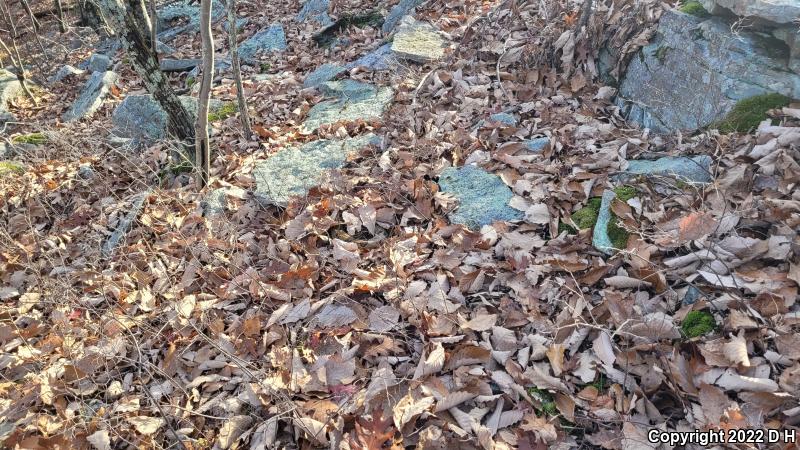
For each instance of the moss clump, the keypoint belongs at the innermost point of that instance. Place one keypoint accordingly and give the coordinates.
(546, 399)
(586, 217)
(32, 138)
(264, 67)
(698, 323)
(617, 234)
(694, 8)
(7, 167)
(223, 112)
(748, 113)
(625, 193)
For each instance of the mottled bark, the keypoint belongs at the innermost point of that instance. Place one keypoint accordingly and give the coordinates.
(202, 144)
(143, 61)
(244, 116)
(154, 28)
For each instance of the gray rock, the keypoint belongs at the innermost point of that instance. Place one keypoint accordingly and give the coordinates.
(215, 201)
(483, 197)
(64, 72)
(600, 238)
(692, 295)
(315, 10)
(85, 172)
(418, 41)
(791, 36)
(179, 65)
(191, 13)
(271, 39)
(98, 63)
(323, 73)
(775, 11)
(397, 12)
(10, 89)
(537, 145)
(293, 171)
(694, 71)
(354, 101)
(504, 118)
(124, 225)
(382, 58)
(141, 118)
(91, 97)
(695, 169)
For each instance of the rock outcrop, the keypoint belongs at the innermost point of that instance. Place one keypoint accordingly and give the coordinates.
(695, 70)
(315, 10)
(482, 196)
(271, 39)
(141, 118)
(400, 10)
(92, 96)
(418, 41)
(352, 101)
(10, 89)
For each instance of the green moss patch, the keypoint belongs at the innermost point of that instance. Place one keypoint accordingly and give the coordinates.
(223, 112)
(695, 9)
(586, 217)
(10, 167)
(546, 399)
(32, 138)
(698, 323)
(748, 113)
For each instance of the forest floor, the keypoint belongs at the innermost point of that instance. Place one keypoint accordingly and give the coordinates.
(359, 316)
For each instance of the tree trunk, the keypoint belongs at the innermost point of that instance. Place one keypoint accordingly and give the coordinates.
(91, 15)
(154, 27)
(202, 144)
(244, 116)
(62, 26)
(123, 20)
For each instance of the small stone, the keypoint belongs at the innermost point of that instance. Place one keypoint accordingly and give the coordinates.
(215, 201)
(91, 97)
(402, 9)
(323, 73)
(537, 145)
(600, 238)
(64, 72)
(355, 101)
(269, 40)
(315, 10)
(382, 58)
(483, 197)
(85, 172)
(692, 295)
(695, 169)
(179, 65)
(293, 171)
(98, 63)
(418, 41)
(504, 118)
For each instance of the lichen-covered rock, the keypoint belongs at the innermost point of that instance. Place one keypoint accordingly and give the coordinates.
(10, 89)
(293, 171)
(354, 101)
(418, 41)
(695, 169)
(98, 62)
(64, 72)
(191, 15)
(141, 118)
(537, 145)
(323, 73)
(271, 39)
(382, 58)
(776, 11)
(400, 10)
(504, 118)
(694, 71)
(600, 237)
(92, 96)
(315, 10)
(483, 197)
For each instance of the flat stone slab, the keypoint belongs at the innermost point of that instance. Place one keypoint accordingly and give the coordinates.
(323, 73)
(178, 65)
(293, 171)
(98, 63)
(695, 169)
(271, 39)
(66, 71)
(694, 71)
(418, 41)
(10, 89)
(184, 11)
(398, 11)
(92, 96)
(315, 10)
(382, 58)
(141, 118)
(353, 101)
(483, 197)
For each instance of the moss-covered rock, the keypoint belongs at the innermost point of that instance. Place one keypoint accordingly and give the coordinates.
(32, 138)
(698, 323)
(10, 167)
(548, 408)
(695, 9)
(586, 217)
(223, 112)
(748, 113)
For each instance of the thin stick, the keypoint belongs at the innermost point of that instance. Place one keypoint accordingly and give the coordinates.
(202, 147)
(244, 116)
